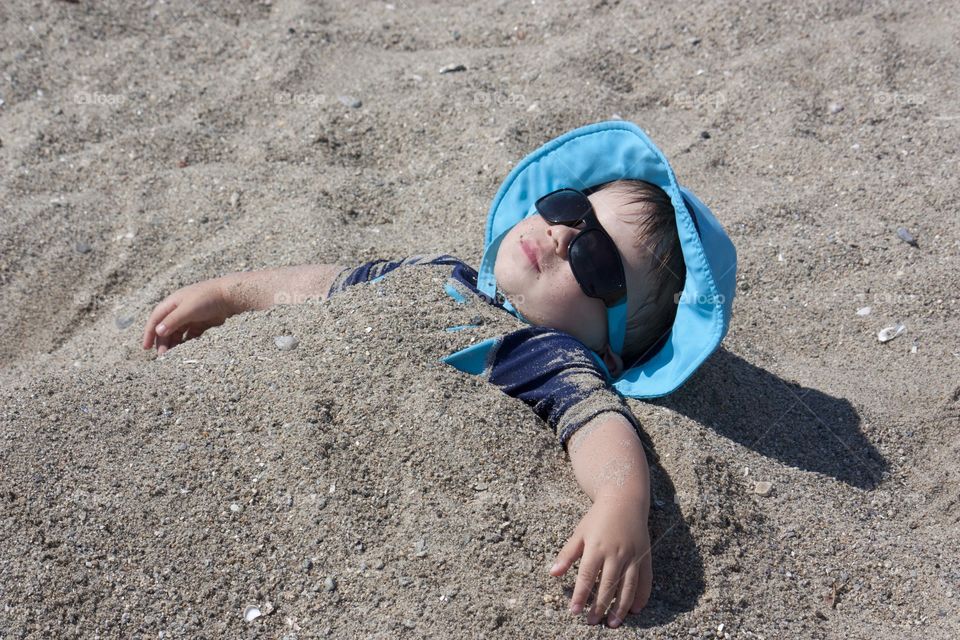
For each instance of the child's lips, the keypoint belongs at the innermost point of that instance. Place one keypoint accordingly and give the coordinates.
(532, 254)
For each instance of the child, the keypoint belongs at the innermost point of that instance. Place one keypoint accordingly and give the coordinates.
(598, 275)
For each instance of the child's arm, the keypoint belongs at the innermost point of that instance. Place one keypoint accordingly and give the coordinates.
(258, 290)
(611, 467)
(188, 312)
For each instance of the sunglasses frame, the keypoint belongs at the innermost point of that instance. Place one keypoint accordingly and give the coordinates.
(616, 301)
(593, 225)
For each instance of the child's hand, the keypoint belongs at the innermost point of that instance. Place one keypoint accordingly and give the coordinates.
(186, 313)
(612, 536)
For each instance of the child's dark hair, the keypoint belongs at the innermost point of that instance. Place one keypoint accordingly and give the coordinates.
(649, 209)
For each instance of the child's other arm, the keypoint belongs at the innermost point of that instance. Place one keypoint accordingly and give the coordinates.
(611, 467)
(258, 290)
(188, 312)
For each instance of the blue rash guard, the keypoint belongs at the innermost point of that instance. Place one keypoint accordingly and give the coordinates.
(553, 372)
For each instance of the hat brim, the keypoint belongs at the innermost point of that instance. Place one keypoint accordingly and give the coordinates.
(614, 150)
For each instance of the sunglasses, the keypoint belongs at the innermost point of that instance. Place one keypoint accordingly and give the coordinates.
(592, 255)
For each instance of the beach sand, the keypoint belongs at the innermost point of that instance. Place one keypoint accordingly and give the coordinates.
(356, 486)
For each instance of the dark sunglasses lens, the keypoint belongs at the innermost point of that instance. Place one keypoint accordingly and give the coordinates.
(564, 206)
(596, 266)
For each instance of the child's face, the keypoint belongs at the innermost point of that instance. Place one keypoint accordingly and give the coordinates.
(533, 272)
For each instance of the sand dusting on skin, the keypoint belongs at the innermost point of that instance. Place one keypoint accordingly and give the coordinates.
(357, 487)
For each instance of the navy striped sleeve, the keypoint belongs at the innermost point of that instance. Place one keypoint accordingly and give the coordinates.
(376, 269)
(558, 376)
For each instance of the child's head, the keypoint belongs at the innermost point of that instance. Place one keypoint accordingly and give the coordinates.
(532, 270)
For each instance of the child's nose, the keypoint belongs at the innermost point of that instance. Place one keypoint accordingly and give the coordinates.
(561, 236)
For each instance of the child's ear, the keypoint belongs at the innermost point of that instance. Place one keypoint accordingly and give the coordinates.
(613, 361)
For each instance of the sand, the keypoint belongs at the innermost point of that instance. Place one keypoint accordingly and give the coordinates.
(356, 486)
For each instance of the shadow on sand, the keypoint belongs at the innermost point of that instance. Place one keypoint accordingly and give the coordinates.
(799, 426)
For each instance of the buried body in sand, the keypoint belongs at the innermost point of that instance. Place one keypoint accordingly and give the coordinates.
(602, 266)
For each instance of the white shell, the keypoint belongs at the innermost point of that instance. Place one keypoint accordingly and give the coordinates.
(763, 488)
(286, 343)
(251, 613)
(863, 311)
(889, 333)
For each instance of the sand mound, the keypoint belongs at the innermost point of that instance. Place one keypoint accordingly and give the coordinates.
(143, 148)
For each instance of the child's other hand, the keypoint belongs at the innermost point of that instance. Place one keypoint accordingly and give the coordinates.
(186, 313)
(611, 537)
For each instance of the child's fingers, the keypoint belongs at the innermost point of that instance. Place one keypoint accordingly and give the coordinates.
(626, 596)
(149, 331)
(644, 583)
(172, 340)
(567, 556)
(609, 581)
(163, 345)
(587, 576)
(175, 321)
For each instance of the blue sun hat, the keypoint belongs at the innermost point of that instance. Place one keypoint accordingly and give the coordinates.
(588, 157)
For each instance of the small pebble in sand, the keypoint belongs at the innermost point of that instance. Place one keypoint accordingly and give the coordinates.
(82, 247)
(350, 101)
(763, 488)
(863, 311)
(421, 547)
(907, 237)
(235, 199)
(835, 107)
(235, 508)
(330, 584)
(889, 333)
(286, 343)
(453, 68)
(122, 322)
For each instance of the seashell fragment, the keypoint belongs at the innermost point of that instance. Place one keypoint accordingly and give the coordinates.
(863, 311)
(286, 343)
(763, 488)
(889, 333)
(907, 237)
(251, 613)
